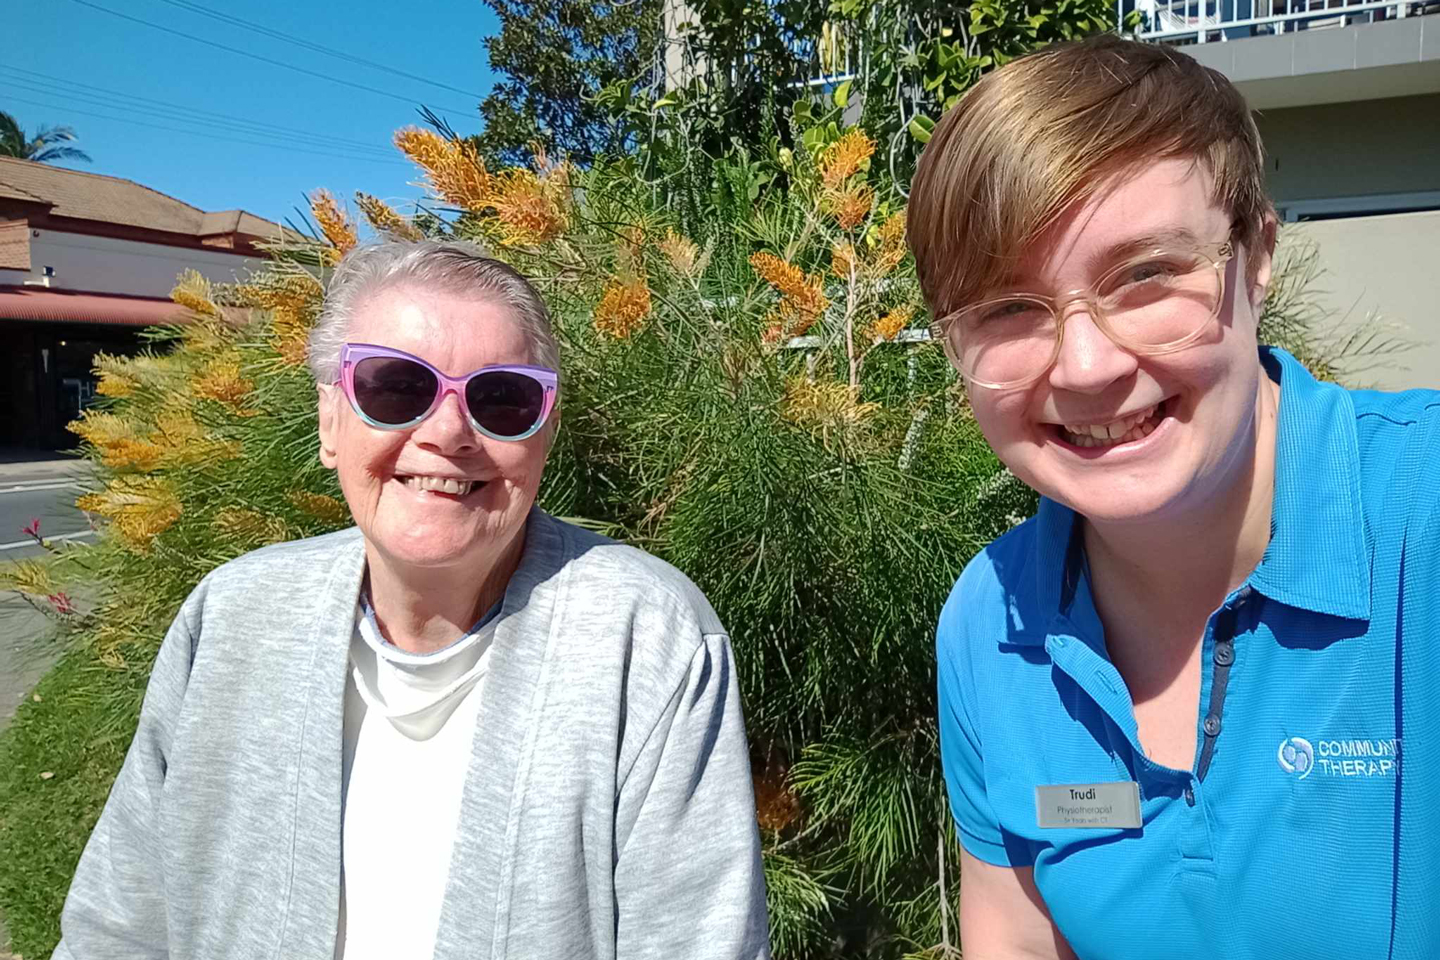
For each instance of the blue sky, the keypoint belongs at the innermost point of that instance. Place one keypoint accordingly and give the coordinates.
(64, 44)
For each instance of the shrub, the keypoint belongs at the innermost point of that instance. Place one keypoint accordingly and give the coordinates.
(752, 402)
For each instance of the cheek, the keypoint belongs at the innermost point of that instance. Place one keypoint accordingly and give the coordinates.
(365, 456)
(521, 463)
(1004, 420)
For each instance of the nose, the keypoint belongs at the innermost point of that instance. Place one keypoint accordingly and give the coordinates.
(448, 429)
(1089, 361)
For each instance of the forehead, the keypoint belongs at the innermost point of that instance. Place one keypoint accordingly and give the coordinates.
(1169, 200)
(457, 333)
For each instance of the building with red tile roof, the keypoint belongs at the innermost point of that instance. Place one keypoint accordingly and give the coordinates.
(86, 262)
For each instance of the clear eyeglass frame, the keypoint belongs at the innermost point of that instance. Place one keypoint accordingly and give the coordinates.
(945, 330)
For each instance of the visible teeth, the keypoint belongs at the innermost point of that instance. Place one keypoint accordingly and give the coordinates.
(1125, 430)
(440, 484)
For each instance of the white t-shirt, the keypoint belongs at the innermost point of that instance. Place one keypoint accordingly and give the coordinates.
(409, 724)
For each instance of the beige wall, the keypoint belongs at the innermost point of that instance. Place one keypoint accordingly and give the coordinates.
(1352, 149)
(109, 265)
(1388, 264)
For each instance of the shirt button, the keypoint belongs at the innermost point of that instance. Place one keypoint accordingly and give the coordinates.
(1190, 796)
(1224, 653)
(1212, 726)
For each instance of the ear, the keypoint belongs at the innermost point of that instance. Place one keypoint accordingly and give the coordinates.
(326, 394)
(1263, 261)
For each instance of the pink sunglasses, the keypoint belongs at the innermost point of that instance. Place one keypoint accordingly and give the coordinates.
(394, 390)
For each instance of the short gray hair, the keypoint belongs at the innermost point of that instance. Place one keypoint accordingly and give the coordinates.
(456, 266)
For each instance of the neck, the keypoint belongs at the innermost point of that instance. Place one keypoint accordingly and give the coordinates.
(421, 610)
(1181, 570)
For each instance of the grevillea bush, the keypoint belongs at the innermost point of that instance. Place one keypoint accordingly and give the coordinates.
(747, 395)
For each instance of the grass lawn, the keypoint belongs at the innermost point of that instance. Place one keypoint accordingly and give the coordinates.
(58, 759)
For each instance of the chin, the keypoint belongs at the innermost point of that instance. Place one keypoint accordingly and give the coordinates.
(426, 544)
(1112, 503)
(428, 554)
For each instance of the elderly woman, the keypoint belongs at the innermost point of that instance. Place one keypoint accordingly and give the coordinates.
(461, 728)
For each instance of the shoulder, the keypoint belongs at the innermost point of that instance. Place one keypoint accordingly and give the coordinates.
(611, 577)
(305, 558)
(1395, 422)
(994, 595)
(1405, 408)
(282, 575)
(630, 627)
(1398, 435)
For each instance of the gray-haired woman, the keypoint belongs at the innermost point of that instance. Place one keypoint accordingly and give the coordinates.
(461, 728)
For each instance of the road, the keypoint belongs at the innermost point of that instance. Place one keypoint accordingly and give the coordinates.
(44, 490)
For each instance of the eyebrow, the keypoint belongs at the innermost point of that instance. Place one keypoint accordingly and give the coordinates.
(1167, 237)
(1011, 282)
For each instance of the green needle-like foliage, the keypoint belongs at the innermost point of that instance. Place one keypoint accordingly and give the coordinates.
(745, 401)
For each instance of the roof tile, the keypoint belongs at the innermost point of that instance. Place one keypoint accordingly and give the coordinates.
(91, 196)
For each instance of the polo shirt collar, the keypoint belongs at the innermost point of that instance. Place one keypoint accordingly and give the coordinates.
(1319, 555)
(1056, 568)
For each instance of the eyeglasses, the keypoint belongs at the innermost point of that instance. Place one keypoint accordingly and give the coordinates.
(1158, 302)
(393, 390)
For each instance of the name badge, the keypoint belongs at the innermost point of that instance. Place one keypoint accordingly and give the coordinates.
(1088, 805)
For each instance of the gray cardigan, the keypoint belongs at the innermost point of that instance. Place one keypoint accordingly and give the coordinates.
(607, 812)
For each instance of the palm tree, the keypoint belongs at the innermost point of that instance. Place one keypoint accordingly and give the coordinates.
(47, 146)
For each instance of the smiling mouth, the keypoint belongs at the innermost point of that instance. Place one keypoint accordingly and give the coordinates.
(445, 485)
(1137, 426)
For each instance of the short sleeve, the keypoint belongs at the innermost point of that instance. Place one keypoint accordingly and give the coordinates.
(960, 747)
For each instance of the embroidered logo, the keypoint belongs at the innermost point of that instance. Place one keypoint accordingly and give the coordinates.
(1296, 756)
(1348, 757)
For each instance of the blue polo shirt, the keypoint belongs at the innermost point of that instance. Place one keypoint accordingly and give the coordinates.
(1310, 823)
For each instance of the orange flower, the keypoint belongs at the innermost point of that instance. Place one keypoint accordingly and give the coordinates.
(531, 210)
(802, 299)
(117, 440)
(623, 308)
(221, 381)
(251, 526)
(114, 384)
(823, 406)
(384, 219)
(683, 254)
(140, 509)
(844, 158)
(143, 455)
(776, 806)
(193, 292)
(293, 300)
(851, 205)
(890, 325)
(890, 244)
(529, 207)
(319, 506)
(334, 224)
(453, 168)
(843, 260)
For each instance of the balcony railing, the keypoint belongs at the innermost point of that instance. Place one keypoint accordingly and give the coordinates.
(1201, 21)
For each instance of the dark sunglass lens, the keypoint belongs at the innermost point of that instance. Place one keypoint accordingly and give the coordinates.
(505, 403)
(393, 390)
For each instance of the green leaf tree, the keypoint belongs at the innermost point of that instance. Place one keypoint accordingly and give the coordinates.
(47, 145)
(746, 84)
(555, 57)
